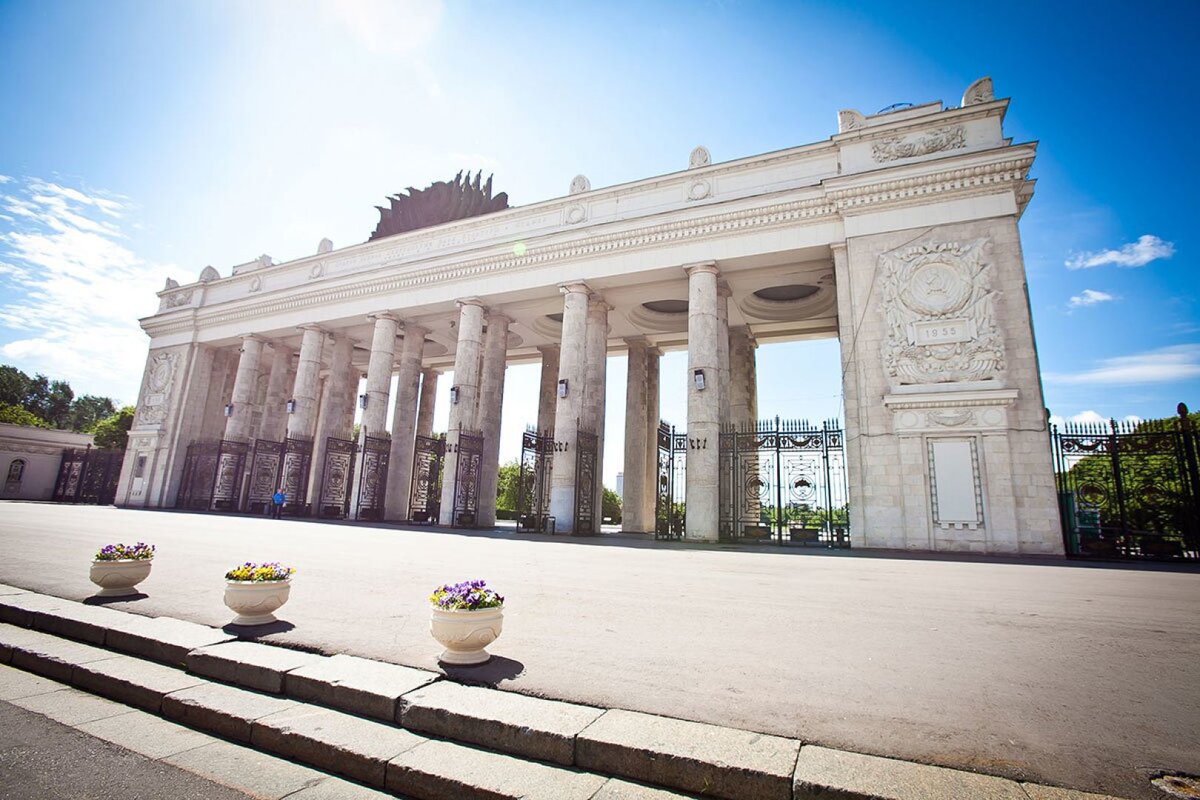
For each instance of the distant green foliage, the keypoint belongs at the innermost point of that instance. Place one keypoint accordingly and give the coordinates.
(611, 506)
(506, 486)
(15, 415)
(51, 402)
(112, 432)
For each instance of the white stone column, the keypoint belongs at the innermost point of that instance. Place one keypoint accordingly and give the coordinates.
(429, 382)
(741, 360)
(379, 374)
(704, 404)
(723, 374)
(487, 415)
(572, 368)
(339, 393)
(301, 421)
(274, 417)
(405, 423)
(596, 389)
(220, 391)
(637, 434)
(237, 424)
(467, 355)
(650, 497)
(547, 397)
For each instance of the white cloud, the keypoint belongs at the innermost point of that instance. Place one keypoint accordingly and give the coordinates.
(1134, 254)
(6, 179)
(1090, 297)
(1164, 365)
(1090, 417)
(72, 289)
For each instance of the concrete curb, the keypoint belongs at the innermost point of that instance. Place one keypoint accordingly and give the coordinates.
(680, 755)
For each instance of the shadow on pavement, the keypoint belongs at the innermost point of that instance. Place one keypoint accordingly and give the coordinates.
(258, 631)
(97, 600)
(490, 673)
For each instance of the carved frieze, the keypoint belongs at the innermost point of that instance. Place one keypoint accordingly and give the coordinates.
(176, 299)
(893, 148)
(940, 314)
(156, 389)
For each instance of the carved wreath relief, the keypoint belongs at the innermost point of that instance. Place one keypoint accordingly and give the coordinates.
(156, 389)
(940, 314)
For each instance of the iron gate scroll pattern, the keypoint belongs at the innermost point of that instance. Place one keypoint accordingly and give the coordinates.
(266, 459)
(336, 478)
(670, 486)
(372, 485)
(199, 476)
(785, 480)
(297, 459)
(227, 483)
(88, 476)
(585, 483)
(533, 482)
(1129, 489)
(425, 495)
(466, 479)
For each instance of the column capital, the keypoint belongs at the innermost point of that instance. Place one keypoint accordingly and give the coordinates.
(375, 316)
(312, 326)
(723, 289)
(597, 303)
(498, 316)
(575, 287)
(413, 329)
(837, 247)
(547, 348)
(470, 301)
(430, 371)
(654, 351)
(709, 267)
(636, 341)
(253, 337)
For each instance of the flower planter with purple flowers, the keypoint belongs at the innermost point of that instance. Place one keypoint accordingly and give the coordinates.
(118, 568)
(466, 618)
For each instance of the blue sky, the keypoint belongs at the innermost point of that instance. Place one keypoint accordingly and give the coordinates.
(140, 140)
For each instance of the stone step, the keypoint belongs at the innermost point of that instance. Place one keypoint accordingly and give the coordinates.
(441, 736)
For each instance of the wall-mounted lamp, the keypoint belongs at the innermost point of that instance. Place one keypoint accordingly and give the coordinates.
(453, 395)
(562, 388)
(698, 377)
(362, 401)
(229, 409)
(291, 406)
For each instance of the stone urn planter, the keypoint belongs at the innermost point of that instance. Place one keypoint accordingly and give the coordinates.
(118, 568)
(465, 619)
(254, 592)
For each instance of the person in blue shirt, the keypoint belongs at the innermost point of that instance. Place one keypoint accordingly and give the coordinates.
(277, 500)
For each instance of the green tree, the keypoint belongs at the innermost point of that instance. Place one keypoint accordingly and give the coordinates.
(112, 433)
(88, 410)
(610, 506)
(14, 386)
(16, 415)
(506, 486)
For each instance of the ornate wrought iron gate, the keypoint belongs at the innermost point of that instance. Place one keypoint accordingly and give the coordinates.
(88, 476)
(585, 483)
(425, 496)
(336, 478)
(785, 481)
(669, 501)
(466, 479)
(231, 468)
(297, 459)
(199, 475)
(533, 482)
(1129, 489)
(266, 460)
(372, 484)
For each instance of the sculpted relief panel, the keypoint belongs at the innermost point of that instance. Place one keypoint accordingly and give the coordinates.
(156, 389)
(893, 148)
(940, 314)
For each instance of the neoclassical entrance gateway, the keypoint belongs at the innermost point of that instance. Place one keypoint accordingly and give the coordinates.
(898, 235)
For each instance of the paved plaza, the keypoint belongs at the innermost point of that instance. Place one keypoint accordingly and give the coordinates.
(1083, 675)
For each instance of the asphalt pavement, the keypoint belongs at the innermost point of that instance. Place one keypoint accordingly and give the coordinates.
(1036, 669)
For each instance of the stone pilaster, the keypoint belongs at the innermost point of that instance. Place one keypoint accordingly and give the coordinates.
(379, 374)
(572, 368)
(429, 382)
(633, 500)
(596, 388)
(219, 392)
(723, 373)
(650, 493)
(547, 399)
(339, 394)
(741, 360)
(405, 423)
(467, 357)
(704, 404)
(487, 415)
(237, 424)
(273, 425)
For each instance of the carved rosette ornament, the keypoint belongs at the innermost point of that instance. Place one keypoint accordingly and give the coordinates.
(940, 314)
(156, 389)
